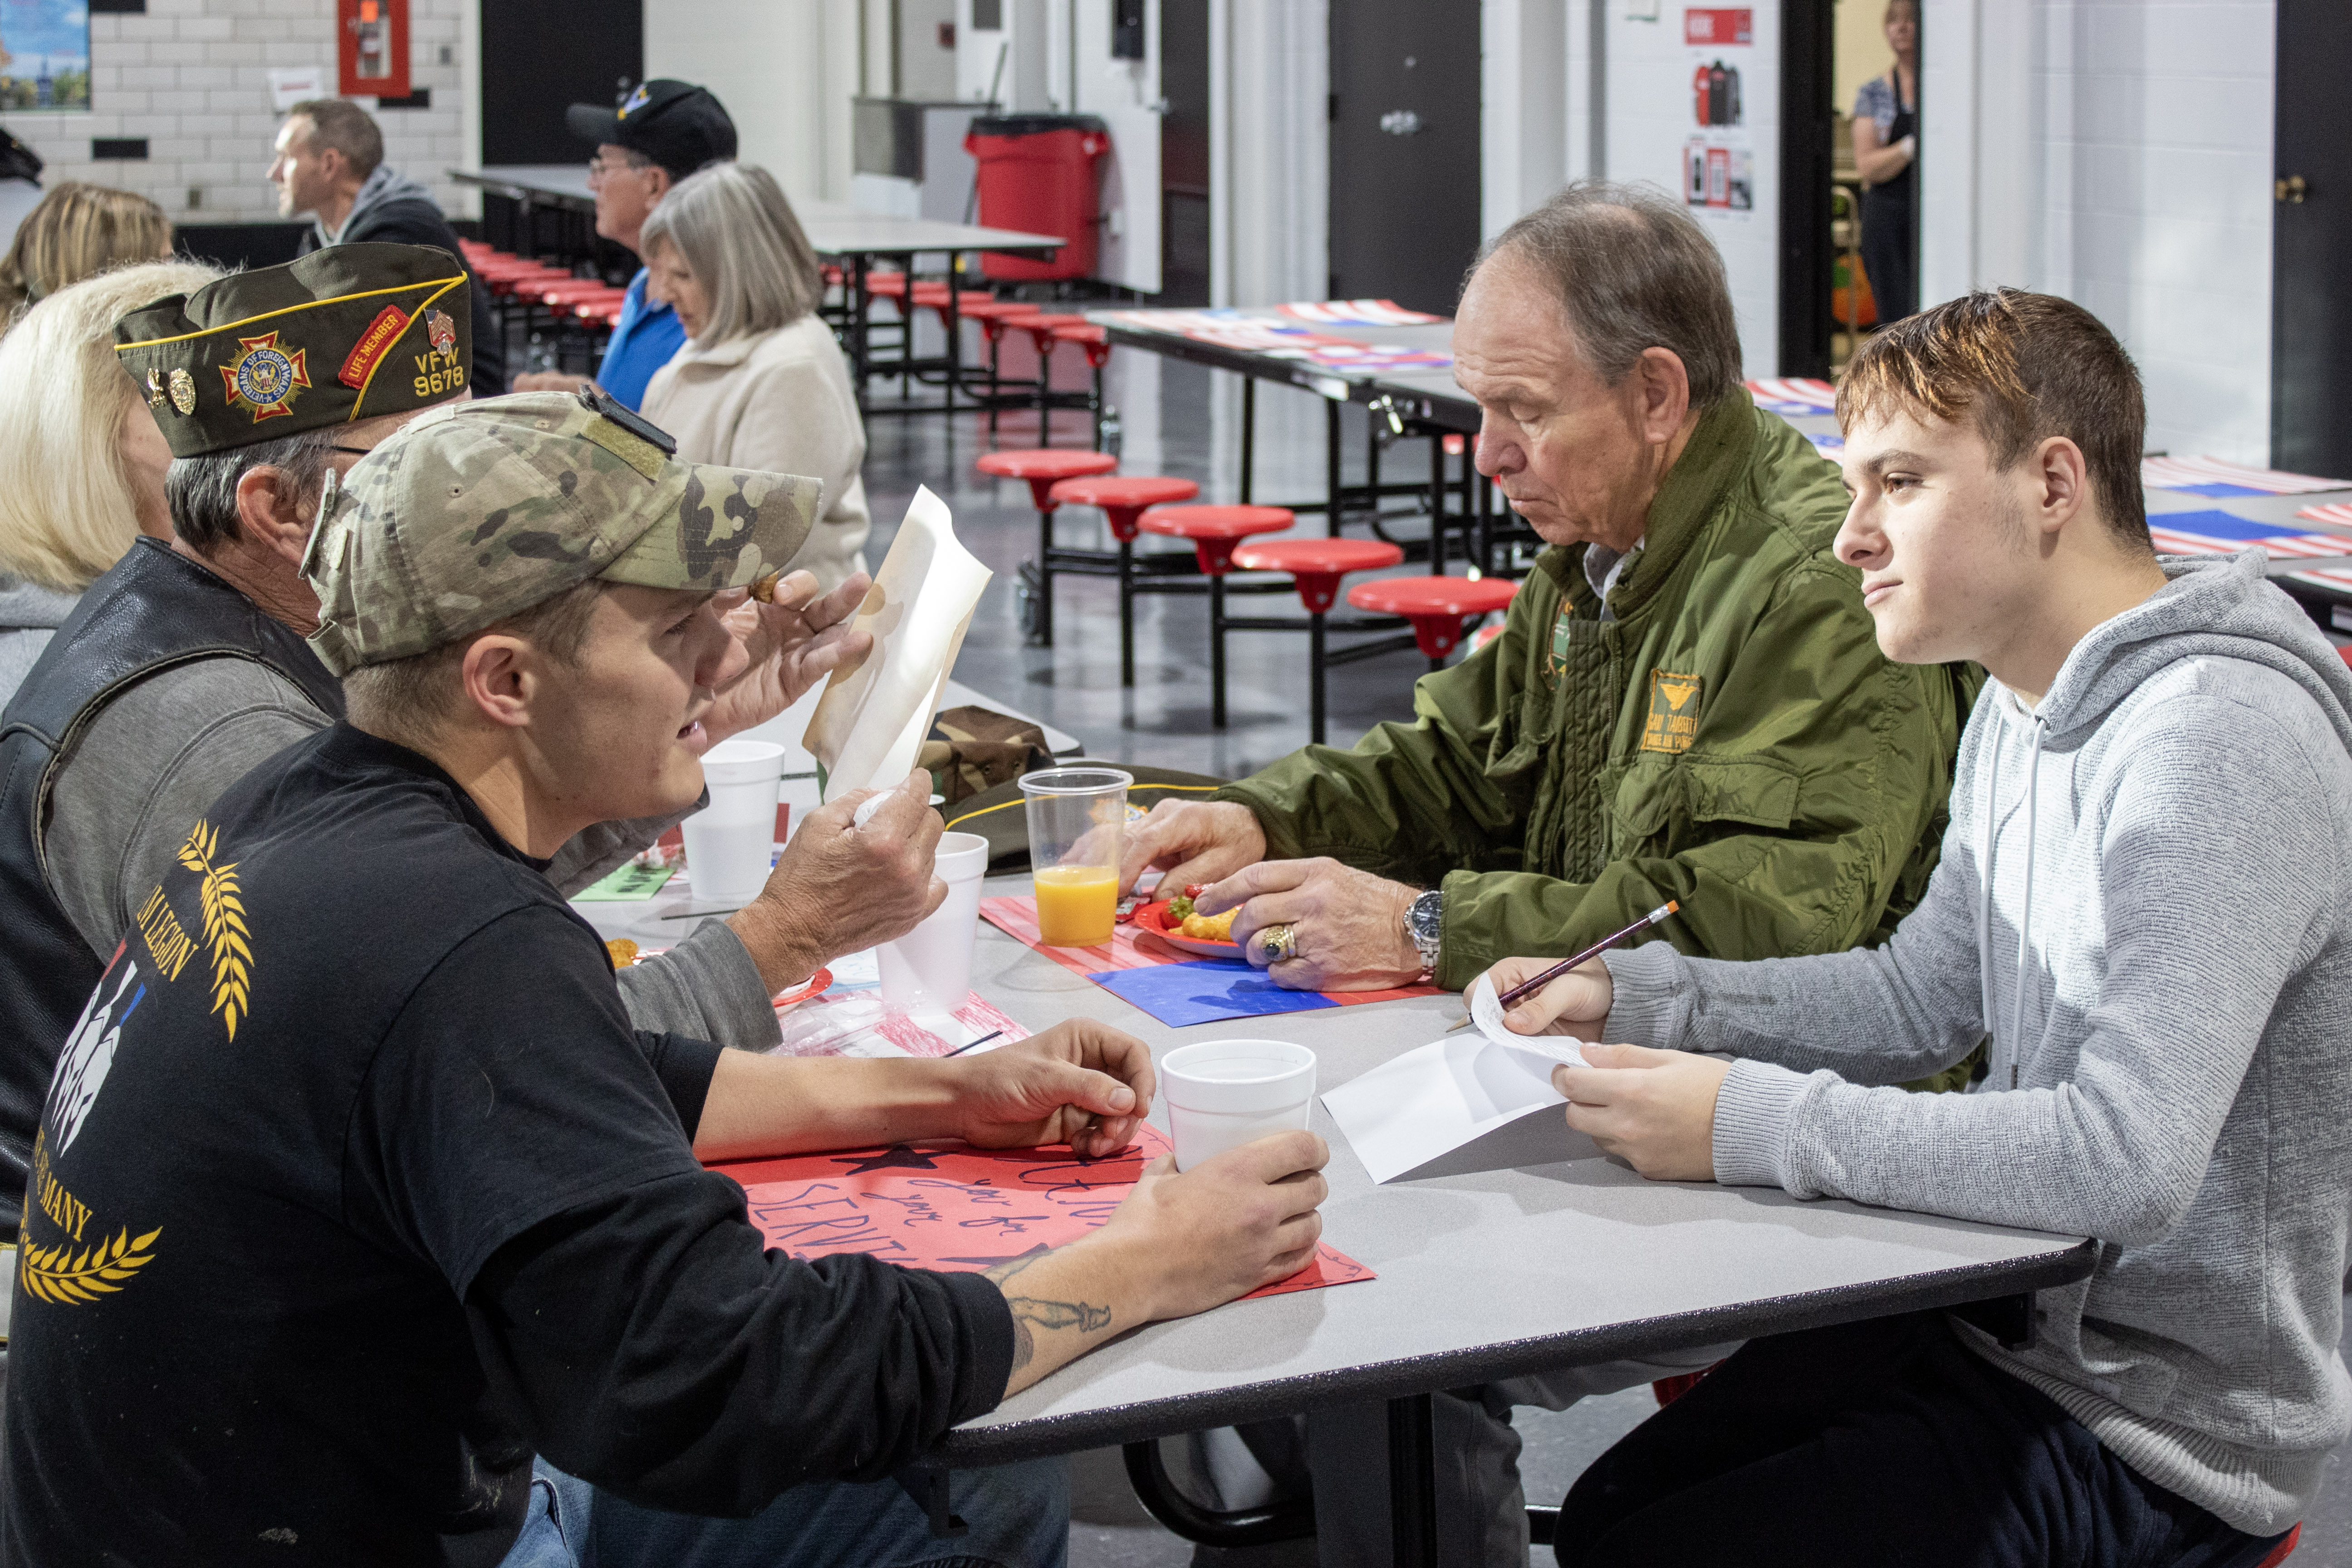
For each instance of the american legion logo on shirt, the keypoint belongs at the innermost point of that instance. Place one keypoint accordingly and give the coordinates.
(69, 1253)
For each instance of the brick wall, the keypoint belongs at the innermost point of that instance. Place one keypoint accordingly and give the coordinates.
(192, 77)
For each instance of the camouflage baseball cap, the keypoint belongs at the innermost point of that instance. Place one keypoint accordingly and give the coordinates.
(477, 511)
(344, 334)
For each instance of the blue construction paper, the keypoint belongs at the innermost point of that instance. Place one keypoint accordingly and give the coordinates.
(2217, 525)
(2216, 489)
(1205, 991)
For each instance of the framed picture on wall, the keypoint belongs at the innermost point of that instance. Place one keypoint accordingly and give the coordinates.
(44, 55)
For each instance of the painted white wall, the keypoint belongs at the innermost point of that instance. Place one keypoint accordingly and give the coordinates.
(786, 70)
(1650, 124)
(1524, 102)
(1124, 94)
(2119, 155)
(192, 77)
(1269, 150)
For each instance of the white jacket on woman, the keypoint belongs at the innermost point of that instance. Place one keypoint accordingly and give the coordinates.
(780, 401)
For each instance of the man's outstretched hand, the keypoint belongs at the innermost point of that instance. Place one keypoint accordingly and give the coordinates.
(1192, 841)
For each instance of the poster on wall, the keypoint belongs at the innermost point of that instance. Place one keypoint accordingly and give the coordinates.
(1719, 158)
(44, 55)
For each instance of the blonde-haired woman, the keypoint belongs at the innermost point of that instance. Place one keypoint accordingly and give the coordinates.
(76, 232)
(760, 382)
(81, 469)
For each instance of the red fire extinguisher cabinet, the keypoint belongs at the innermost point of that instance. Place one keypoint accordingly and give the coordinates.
(1041, 174)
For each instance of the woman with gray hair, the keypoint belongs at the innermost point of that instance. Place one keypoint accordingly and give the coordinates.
(760, 382)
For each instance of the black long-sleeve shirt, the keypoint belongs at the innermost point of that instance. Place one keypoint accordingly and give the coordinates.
(357, 1186)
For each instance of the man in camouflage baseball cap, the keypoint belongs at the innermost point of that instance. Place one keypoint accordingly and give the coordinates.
(476, 513)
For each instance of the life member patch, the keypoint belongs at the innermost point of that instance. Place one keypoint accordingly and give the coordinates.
(1672, 721)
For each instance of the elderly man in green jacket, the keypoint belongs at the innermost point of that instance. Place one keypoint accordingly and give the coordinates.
(1686, 702)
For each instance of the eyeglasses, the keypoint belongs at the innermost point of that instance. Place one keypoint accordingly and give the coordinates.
(355, 451)
(601, 167)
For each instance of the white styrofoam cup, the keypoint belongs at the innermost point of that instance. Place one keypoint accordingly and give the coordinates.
(1223, 1094)
(729, 841)
(929, 970)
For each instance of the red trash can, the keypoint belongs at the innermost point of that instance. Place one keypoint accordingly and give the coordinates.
(1040, 173)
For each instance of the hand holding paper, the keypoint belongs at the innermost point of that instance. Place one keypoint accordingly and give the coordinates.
(871, 720)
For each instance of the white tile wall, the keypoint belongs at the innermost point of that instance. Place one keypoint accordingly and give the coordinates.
(192, 77)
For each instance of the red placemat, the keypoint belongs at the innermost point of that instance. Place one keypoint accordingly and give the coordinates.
(1017, 917)
(960, 1210)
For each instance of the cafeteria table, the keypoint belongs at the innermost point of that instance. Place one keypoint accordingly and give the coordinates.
(1409, 401)
(1526, 1251)
(857, 238)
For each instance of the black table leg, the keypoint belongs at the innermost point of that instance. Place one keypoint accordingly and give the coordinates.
(1045, 578)
(1331, 469)
(1437, 506)
(1413, 1484)
(1372, 467)
(1249, 433)
(860, 350)
(955, 327)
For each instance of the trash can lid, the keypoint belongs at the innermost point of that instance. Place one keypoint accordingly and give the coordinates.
(1034, 124)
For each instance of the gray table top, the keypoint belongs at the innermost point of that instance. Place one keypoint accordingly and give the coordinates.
(1534, 1253)
(833, 229)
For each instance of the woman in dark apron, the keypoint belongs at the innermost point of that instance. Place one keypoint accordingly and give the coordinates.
(1887, 153)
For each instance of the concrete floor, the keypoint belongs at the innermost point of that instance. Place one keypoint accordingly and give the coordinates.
(1184, 421)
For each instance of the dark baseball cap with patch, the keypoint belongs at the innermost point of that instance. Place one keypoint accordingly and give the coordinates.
(677, 124)
(343, 334)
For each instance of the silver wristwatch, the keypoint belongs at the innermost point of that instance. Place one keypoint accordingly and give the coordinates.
(1423, 919)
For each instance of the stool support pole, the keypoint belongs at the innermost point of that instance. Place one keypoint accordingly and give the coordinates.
(1046, 394)
(1331, 467)
(1315, 677)
(1249, 434)
(1217, 650)
(1127, 612)
(1044, 577)
(1437, 519)
(1099, 407)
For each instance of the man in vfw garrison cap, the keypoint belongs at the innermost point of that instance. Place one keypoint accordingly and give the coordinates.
(186, 665)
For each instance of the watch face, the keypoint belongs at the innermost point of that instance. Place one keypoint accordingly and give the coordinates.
(1426, 915)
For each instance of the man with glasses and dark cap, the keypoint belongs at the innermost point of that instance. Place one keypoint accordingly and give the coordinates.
(663, 131)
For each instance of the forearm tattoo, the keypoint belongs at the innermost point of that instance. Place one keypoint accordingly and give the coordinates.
(1044, 1314)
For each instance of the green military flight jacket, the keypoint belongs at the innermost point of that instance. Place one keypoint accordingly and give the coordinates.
(1732, 739)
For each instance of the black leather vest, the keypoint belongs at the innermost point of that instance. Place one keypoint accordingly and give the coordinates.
(154, 610)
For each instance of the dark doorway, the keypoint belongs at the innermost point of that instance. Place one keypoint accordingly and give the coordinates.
(538, 58)
(1184, 152)
(1404, 150)
(1807, 131)
(2311, 244)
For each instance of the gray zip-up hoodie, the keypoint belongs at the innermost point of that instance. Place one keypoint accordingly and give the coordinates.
(2146, 900)
(383, 187)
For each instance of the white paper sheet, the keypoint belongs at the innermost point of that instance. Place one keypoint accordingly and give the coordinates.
(1406, 1113)
(872, 719)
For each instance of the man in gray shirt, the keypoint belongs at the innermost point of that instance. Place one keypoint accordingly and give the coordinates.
(2144, 908)
(184, 666)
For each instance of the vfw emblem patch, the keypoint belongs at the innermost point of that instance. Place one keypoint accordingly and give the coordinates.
(265, 377)
(1672, 721)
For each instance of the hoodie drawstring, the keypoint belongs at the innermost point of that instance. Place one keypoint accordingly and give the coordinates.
(1984, 901)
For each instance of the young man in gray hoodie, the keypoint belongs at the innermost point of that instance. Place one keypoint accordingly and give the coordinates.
(2144, 908)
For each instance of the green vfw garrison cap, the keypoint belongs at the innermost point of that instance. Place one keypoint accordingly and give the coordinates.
(477, 511)
(344, 334)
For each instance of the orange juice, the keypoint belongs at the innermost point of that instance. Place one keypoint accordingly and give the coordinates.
(1077, 904)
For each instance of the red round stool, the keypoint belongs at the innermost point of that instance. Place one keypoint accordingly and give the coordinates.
(1436, 605)
(1316, 566)
(891, 285)
(1214, 531)
(1043, 470)
(1123, 498)
(1096, 341)
(1045, 329)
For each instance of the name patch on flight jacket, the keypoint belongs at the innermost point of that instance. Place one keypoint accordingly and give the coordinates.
(1672, 721)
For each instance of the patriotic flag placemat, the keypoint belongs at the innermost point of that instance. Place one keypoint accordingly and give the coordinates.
(2214, 476)
(1794, 394)
(2223, 533)
(1017, 918)
(2336, 512)
(1358, 313)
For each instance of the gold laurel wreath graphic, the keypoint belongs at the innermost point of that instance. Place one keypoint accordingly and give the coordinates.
(225, 930)
(51, 1274)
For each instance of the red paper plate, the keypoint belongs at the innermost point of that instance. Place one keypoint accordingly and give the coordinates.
(1151, 920)
(816, 985)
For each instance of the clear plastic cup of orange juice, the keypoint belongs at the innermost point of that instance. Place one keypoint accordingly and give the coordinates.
(1078, 825)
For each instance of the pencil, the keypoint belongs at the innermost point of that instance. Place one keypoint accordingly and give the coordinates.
(1528, 987)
